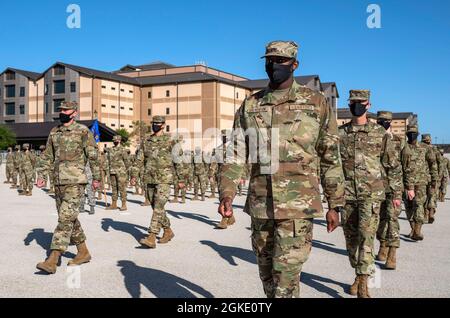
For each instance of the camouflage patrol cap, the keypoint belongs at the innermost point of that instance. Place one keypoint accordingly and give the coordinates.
(426, 137)
(26, 146)
(159, 120)
(441, 150)
(117, 138)
(288, 49)
(10, 149)
(359, 94)
(68, 106)
(412, 128)
(42, 147)
(382, 114)
(17, 147)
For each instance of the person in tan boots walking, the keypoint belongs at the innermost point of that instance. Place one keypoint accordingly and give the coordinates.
(69, 147)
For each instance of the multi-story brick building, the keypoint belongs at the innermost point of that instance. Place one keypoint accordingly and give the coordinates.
(195, 98)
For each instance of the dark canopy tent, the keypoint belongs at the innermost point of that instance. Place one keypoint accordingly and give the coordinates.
(36, 134)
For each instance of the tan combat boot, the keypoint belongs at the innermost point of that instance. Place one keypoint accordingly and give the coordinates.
(417, 235)
(82, 257)
(183, 199)
(223, 224)
(29, 194)
(50, 265)
(391, 262)
(167, 237)
(231, 220)
(412, 224)
(354, 287)
(149, 241)
(431, 216)
(124, 206)
(382, 253)
(175, 198)
(203, 197)
(195, 198)
(213, 195)
(363, 289)
(22, 192)
(113, 206)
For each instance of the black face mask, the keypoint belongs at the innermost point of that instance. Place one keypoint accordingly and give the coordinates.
(357, 109)
(116, 144)
(385, 123)
(156, 128)
(412, 137)
(278, 73)
(64, 118)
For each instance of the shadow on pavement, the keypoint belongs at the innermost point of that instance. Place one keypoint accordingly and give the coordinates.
(316, 282)
(329, 247)
(44, 240)
(320, 222)
(136, 231)
(159, 283)
(193, 216)
(229, 253)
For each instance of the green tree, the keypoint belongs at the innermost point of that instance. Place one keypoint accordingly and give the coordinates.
(125, 136)
(7, 137)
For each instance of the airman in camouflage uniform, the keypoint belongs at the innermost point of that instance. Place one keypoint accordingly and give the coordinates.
(181, 175)
(213, 174)
(70, 146)
(241, 184)
(389, 228)
(370, 164)
(15, 167)
(9, 166)
(155, 156)
(432, 188)
(118, 163)
(27, 165)
(421, 170)
(445, 176)
(284, 195)
(200, 174)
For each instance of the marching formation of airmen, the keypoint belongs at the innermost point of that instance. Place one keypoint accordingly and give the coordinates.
(365, 171)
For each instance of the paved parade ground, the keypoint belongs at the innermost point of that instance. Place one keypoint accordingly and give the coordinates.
(201, 261)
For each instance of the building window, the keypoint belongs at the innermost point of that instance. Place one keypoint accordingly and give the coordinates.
(167, 111)
(122, 90)
(122, 126)
(73, 87)
(149, 95)
(113, 88)
(10, 76)
(237, 95)
(10, 91)
(59, 87)
(22, 109)
(168, 128)
(167, 93)
(56, 104)
(130, 109)
(103, 86)
(10, 109)
(11, 121)
(46, 89)
(46, 108)
(59, 70)
(131, 92)
(113, 125)
(131, 126)
(149, 112)
(112, 106)
(22, 91)
(122, 108)
(103, 105)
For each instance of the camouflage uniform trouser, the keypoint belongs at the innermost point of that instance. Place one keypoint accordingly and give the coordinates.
(90, 196)
(158, 195)
(15, 175)
(69, 229)
(443, 187)
(360, 221)
(281, 248)
(9, 172)
(415, 209)
(200, 181)
(214, 183)
(389, 228)
(119, 185)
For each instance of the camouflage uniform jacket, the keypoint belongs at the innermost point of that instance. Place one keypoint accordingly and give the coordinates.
(200, 168)
(420, 165)
(27, 161)
(446, 167)
(213, 168)
(308, 139)
(155, 156)
(118, 160)
(10, 160)
(370, 163)
(67, 153)
(16, 160)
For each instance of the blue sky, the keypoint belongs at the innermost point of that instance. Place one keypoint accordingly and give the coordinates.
(406, 63)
